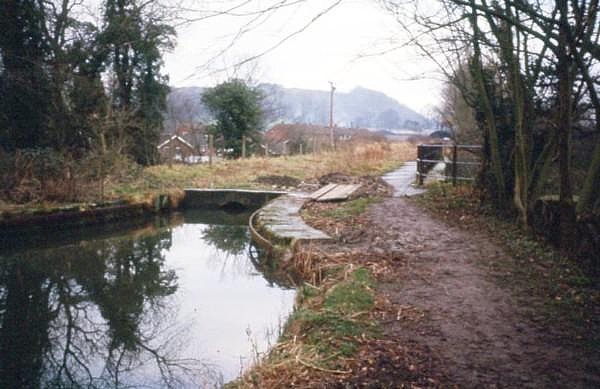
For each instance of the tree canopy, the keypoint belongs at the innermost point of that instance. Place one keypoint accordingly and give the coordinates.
(529, 72)
(236, 107)
(77, 85)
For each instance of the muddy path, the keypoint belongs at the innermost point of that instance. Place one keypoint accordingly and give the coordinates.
(450, 321)
(449, 303)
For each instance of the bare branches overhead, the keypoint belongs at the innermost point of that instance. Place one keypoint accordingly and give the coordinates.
(246, 17)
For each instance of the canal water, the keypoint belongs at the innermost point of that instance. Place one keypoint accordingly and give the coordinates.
(183, 302)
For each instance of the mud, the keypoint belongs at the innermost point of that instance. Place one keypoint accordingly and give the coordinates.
(449, 322)
(475, 329)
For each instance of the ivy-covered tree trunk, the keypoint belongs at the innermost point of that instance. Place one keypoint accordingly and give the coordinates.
(135, 42)
(488, 111)
(567, 209)
(24, 96)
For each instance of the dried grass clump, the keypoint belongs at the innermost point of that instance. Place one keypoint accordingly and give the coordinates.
(176, 197)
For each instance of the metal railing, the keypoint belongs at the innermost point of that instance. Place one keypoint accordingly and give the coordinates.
(459, 162)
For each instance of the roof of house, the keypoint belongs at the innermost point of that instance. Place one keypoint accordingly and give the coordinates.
(282, 132)
(172, 138)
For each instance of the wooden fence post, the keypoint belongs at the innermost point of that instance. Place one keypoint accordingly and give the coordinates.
(244, 146)
(419, 165)
(454, 166)
(211, 141)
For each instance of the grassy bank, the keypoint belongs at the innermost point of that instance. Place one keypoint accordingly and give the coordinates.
(333, 318)
(136, 185)
(336, 318)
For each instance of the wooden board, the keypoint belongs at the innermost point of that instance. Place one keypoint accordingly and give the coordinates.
(320, 192)
(340, 192)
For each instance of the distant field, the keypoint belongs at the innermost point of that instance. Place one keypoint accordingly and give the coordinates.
(361, 159)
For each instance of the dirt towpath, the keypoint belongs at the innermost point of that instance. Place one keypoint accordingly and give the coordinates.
(474, 331)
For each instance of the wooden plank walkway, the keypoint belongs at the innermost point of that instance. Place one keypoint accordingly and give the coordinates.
(334, 192)
(340, 192)
(324, 190)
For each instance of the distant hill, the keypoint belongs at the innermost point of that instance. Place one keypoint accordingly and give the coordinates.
(184, 105)
(360, 107)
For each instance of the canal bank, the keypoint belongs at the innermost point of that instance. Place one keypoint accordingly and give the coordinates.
(85, 215)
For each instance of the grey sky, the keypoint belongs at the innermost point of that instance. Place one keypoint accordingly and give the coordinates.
(329, 50)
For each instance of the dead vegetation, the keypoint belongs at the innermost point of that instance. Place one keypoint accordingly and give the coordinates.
(283, 182)
(47, 176)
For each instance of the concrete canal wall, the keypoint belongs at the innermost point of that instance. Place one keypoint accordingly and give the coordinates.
(275, 225)
(224, 198)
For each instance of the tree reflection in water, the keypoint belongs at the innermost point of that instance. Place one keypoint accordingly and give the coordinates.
(232, 240)
(93, 314)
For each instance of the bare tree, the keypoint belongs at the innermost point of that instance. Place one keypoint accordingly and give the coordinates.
(530, 65)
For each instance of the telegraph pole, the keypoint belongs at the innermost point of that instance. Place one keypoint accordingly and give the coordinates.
(331, 138)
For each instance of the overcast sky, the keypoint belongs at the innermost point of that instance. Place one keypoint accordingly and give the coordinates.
(330, 49)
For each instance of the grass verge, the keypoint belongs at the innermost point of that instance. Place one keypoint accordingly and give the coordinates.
(324, 333)
(349, 209)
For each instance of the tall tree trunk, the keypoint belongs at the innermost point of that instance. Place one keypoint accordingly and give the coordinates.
(492, 133)
(590, 193)
(591, 187)
(522, 136)
(567, 209)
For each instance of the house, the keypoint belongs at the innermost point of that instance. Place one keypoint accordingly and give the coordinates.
(195, 134)
(188, 145)
(177, 149)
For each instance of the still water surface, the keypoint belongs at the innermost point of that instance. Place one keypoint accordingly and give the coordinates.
(178, 303)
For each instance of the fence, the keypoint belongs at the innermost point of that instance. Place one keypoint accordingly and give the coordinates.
(448, 162)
